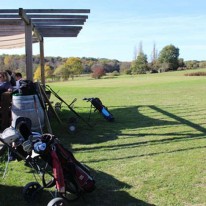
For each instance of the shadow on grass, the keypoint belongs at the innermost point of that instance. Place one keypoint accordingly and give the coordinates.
(180, 120)
(12, 195)
(137, 120)
(109, 191)
(132, 118)
(145, 155)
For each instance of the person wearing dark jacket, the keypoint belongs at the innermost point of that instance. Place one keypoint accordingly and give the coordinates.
(5, 100)
(5, 85)
(11, 77)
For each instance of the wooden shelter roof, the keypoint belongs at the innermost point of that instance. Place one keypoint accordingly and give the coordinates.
(23, 27)
(44, 23)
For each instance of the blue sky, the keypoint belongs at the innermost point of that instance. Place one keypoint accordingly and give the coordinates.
(116, 27)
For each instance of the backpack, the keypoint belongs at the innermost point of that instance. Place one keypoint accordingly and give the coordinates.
(27, 87)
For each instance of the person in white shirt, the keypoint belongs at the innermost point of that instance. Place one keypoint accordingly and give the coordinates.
(18, 77)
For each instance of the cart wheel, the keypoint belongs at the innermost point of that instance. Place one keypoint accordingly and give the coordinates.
(31, 190)
(58, 201)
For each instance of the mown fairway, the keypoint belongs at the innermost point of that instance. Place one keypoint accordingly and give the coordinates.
(153, 154)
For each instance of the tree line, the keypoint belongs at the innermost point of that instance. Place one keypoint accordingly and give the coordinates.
(57, 68)
(166, 60)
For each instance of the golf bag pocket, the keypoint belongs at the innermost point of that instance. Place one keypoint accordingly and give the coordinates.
(85, 181)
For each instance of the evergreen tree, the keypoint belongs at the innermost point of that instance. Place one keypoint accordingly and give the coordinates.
(139, 66)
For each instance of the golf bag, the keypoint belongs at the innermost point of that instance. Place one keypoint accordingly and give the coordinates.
(67, 174)
(97, 104)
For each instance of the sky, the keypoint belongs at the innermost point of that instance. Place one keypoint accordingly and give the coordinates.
(115, 28)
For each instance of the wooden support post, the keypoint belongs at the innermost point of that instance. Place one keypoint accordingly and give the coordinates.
(28, 48)
(42, 62)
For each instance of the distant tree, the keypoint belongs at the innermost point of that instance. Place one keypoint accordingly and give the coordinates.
(7, 60)
(139, 66)
(125, 67)
(74, 66)
(192, 64)
(154, 65)
(164, 67)
(37, 73)
(202, 64)
(181, 62)
(87, 64)
(98, 71)
(1, 62)
(154, 55)
(10, 62)
(47, 72)
(169, 57)
(111, 66)
(21, 65)
(62, 72)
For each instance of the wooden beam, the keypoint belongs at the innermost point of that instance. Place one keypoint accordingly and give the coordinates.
(11, 22)
(7, 11)
(57, 11)
(9, 16)
(59, 35)
(60, 27)
(40, 22)
(14, 11)
(39, 16)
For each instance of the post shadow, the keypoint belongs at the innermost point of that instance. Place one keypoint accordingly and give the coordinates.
(132, 118)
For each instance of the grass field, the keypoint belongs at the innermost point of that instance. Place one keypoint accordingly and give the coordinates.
(153, 154)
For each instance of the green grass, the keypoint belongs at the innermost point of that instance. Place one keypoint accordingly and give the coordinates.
(153, 154)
